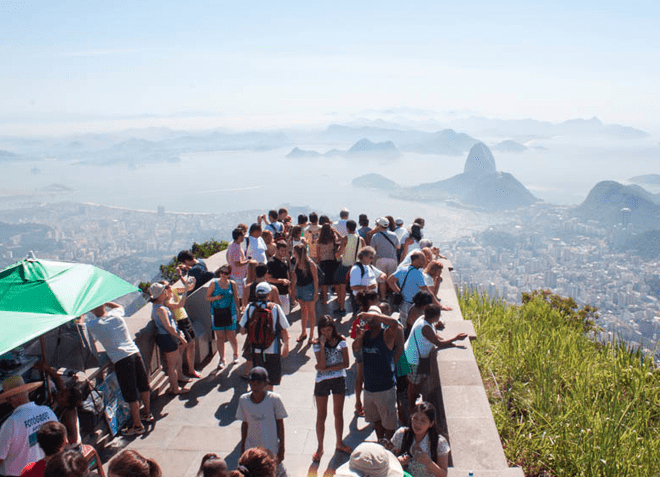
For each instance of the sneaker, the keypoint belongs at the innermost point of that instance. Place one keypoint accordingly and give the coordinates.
(133, 431)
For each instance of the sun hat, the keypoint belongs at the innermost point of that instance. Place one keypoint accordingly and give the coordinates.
(15, 385)
(371, 460)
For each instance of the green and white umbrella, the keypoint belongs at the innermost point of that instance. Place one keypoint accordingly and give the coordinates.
(37, 296)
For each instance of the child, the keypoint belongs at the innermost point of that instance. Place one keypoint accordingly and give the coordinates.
(332, 360)
(420, 446)
(262, 413)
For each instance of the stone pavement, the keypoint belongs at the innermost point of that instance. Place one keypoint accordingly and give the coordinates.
(190, 426)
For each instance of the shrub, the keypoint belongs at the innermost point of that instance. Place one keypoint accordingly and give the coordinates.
(564, 403)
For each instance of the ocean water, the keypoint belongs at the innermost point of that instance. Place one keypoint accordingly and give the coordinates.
(215, 182)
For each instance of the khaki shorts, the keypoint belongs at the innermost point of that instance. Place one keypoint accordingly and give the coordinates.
(381, 406)
(386, 265)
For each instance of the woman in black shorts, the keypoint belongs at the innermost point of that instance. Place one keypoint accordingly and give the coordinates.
(332, 360)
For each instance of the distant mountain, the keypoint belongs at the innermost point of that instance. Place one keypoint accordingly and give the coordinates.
(646, 244)
(509, 146)
(605, 201)
(10, 156)
(364, 147)
(446, 142)
(647, 179)
(480, 161)
(480, 184)
(374, 181)
(521, 129)
(296, 152)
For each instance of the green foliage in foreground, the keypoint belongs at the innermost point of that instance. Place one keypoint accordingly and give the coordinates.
(565, 404)
(199, 250)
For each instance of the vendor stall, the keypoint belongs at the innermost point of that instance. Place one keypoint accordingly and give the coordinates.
(39, 301)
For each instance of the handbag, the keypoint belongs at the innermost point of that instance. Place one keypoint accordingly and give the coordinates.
(423, 364)
(397, 297)
(222, 317)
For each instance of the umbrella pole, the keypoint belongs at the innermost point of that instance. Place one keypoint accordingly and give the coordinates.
(42, 340)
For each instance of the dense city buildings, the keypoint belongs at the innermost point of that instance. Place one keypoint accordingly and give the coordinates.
(546, 248)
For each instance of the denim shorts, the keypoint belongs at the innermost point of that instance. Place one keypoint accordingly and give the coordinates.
(305, 293)
(166, 343)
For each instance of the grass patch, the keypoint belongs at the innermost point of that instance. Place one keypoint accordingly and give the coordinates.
(564, 404)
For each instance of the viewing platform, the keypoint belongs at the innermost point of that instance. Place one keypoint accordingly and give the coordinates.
(203, 421)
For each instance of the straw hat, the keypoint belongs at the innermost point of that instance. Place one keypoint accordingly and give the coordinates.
(15, 385)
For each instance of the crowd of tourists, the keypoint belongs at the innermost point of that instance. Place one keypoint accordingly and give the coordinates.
(273, 266)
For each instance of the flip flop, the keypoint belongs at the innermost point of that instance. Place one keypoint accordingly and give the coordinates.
(317, 456)
(359, 411)
(301, 338)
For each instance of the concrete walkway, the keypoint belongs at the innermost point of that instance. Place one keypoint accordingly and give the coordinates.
(203, 421)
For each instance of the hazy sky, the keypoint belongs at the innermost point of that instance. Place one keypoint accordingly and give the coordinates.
(284, 61)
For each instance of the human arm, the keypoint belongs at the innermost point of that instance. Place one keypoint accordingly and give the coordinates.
(244, 434)
(209, 292)
(177, 335)
(285, 343)
(342, 247)
(399, 342)
(429, 333)
(384, 319)
(438, 468)
(234, 290)
(393, 283)
(280, 438)
(359, 338)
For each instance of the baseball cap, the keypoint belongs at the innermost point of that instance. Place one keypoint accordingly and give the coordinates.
(262, 289)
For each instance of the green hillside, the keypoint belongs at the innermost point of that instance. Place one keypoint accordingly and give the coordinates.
(564, 404)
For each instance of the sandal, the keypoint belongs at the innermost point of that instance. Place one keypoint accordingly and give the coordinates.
(317, 456)
(301, 338)
(359, 411)
(341, 447)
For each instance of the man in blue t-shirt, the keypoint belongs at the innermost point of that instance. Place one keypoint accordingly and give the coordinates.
(408, 281)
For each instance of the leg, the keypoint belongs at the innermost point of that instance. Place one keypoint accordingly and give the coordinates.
(311, 317)
(380, 430)
(321, 414)
(231, 336)
(179, 367)
(220, 342)
(341, 296)
(146, 401)
(171, 363)
(303, 320)
(324, 294)
(359, 380)
(413, 392)
(338, 409)
(135, 413)
(190, 352)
